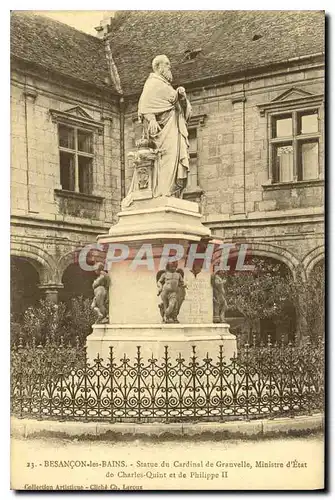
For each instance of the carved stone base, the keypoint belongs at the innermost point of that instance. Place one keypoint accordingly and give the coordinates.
(153, 339)
(134, 305)
(163, 217)
(133, 294)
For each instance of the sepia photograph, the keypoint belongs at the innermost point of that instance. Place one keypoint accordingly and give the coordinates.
(167, 250)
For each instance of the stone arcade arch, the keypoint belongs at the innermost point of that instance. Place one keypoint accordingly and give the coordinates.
(32, 273)
(41, 260)
(269, 250)
(270, 326)
(65, 261)
(312, 258)
(44, 264)
(316, 287)
(275, 252)
(77, 282)
(24, 286)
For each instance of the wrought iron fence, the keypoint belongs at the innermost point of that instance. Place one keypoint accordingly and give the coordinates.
(58, 382)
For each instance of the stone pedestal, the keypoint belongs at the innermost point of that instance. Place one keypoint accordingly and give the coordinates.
(161, 218)
(135, 318)
(153, 338)
(145, 226)
(133, 293)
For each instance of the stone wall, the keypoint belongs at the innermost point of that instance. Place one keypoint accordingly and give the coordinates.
(35, 154)
(232, 146)
(240, 203)
(48, 224)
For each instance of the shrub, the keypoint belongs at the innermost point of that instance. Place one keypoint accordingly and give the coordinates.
(41, 322)
(271, 292)
(49, 322)
(79, 320)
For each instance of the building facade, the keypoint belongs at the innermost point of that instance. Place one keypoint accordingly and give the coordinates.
(256, 84)
(65, 172)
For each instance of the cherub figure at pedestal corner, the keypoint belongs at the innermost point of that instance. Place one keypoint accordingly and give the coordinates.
(172, 290)
(100, 287)
(219, 297)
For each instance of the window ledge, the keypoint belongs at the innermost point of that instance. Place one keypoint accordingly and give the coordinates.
(293, 184)
(78, 196)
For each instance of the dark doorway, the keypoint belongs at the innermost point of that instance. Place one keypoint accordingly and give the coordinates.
(77, 282)
(24, 291)
(263, 298)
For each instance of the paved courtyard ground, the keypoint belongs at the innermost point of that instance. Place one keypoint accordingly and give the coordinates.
(232, 464)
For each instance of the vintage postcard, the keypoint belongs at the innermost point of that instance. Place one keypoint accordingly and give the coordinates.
(167, 250)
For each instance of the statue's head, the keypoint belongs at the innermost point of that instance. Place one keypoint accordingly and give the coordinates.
(161, 65)
(100, 267)
(172, 266)
(221, 274)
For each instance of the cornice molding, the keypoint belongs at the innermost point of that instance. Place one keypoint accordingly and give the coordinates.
(278, 218)
(196, 121)
(239, 97)
(293, 185)
(78, 196)
(30, 93)
(290, 99)
(81, 225)
(76, 116)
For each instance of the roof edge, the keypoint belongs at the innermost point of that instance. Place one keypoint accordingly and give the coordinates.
(207, 81)
(46, 19)
(215, 80)
(256, 69)
(26, 62)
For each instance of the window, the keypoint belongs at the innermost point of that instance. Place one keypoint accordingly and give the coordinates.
(192, 181)
(192, 139)
(294, 146)
(190, 55)
(76, 158)
(193, 191)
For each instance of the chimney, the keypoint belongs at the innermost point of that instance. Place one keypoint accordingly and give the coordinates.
(104, 27)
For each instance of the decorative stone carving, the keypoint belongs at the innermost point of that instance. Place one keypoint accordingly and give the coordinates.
(143, 177)
(172, 291)
(100, 302)
(219, 297)
(143, 160)
(77, 116)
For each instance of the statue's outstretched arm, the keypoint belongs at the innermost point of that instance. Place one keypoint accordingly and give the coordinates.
(161, 282)
(184, 102)
(98, 281)
(188, 110)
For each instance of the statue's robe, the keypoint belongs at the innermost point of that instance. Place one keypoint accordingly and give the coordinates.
(159, 98)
